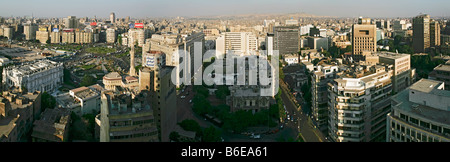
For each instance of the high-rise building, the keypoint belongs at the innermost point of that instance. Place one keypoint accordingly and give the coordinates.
(71, 22)
(112, 17)
(42, 36)
(421, 33)
(8, 32)
(435, 34)
(155, 76)
(30, 31)
(420, 114)
(286, 39)
(402, 72)
(364, 38)
(55, 37)
(110, 35)
(137, 36)
(68, 37)
(82, 37)
(321, 76)
(358, 103)
(238, 42)
(127, 118)
(269, 44)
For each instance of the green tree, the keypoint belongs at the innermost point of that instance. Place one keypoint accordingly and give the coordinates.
(191, 125)
(174, 136)
(315, 61)
(222, 92)
(88, 80)
(47, 101)
(211, 134)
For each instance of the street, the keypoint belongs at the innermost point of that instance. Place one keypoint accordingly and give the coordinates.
(308, 131)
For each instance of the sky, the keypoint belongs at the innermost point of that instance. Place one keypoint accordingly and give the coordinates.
(190, 8)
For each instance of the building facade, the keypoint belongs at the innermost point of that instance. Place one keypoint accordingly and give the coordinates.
(286, 39)
(421, 33)
(125, 118)
(364, 38)
(41, 75)
(420, 114)
(358, 103)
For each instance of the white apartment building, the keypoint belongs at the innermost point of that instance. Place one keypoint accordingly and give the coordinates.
(241, 43)
(358, 103)
(41, 75)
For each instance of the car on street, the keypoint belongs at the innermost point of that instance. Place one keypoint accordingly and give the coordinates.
(183, 97)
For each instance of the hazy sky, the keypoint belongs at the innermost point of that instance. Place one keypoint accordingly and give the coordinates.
(161, 8)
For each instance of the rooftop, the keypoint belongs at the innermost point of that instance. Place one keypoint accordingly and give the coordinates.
(442, 67)
(401, 100)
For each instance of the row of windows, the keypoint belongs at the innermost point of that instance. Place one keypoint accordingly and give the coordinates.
(135, 135)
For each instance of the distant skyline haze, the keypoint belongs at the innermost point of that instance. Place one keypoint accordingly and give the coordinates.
(196, 8)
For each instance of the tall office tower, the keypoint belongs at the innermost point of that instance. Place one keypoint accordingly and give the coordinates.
(71, 22)
(420, 114)
(110, 35)
(127, 19)
(112, 17)
(322, 75)
(127, 118)
(238, 42)
(358, 103)
(286, 39)
(30, 31)
(155, 76)
(435, 34)
(132, 71)
(421, 33)
(364, 37)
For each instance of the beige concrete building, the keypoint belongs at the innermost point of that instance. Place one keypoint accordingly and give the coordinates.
(402, 75)
(82, 37)
(55, 37)
(43, 36)
(114, 80)
(68, 37)
(420, 114)
(127, 118)
(421, 33)
(364, 37)
(110, 35)
(155, 76)
(30, 31)
(435, 34)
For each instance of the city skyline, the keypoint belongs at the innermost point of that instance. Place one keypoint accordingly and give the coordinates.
(201, 8)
